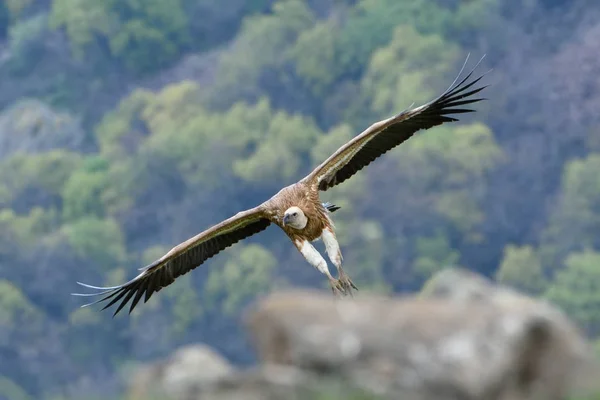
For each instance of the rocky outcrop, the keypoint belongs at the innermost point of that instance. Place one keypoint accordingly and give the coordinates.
(181, 375)
(461, 338)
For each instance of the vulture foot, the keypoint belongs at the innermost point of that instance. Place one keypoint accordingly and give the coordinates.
(343, 285)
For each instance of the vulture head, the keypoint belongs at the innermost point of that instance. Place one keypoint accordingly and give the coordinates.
(294, 218)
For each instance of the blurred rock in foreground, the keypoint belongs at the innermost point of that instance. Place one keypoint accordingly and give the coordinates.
(181, 375)
(462, 338)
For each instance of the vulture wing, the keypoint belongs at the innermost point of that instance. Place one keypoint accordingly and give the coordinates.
(384, 135)
(181, 259)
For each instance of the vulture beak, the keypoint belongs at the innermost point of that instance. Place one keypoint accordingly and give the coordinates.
(286, 218)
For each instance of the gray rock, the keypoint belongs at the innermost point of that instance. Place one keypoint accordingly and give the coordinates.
(463, 338)
(181, 376)
(277, 382)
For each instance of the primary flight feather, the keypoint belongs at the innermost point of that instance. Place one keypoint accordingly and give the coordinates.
(296, 209)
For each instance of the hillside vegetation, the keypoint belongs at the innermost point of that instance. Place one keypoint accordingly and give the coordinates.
(127, 126)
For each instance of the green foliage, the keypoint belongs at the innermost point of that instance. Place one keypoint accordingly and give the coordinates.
(120, 131)
(332, 390)
(83, 191)
(4, 20)
(328, 143)
(151, 33)
(521, 268)
(467, 152)
(372, 22)
(23, 231)
(211, 24)
(470, 16)
(433, 254)
(45, 173)
(17, 7)
(575, 222)
(368, 243)
(186, 306)
(314, 56)
(97, 239)
(26, 44)
(15, 309)
(145, 35)
(447, 166)
(576, 289)
(246, 274)
(277, 157)
(12, 391)
(82, 20)
(403, 71)
(263, 43)
(173, 129)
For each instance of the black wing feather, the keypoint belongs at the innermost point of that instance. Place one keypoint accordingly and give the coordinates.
(434, 113)
(160, 274)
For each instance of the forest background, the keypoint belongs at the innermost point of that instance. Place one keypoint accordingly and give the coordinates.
(127, 126)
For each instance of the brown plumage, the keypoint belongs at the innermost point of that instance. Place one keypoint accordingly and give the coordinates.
(300, 195)
(296, 209)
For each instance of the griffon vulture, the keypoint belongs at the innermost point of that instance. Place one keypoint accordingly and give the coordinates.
(296, 209)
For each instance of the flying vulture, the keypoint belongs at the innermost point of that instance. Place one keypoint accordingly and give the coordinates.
(296, 209)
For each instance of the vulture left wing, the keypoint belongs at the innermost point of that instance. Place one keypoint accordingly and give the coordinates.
(384, 135)
(181, 259)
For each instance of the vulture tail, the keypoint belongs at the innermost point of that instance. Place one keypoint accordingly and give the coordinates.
(331, 207)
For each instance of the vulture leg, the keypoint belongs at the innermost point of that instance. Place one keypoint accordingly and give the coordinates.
(315, 259)
(335, 255)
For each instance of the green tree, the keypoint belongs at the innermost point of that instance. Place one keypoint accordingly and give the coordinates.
(314, 57)
(23, 231)
(97, 240)
(145, 35)
(121, 131)
(433, 254)
(262, 44)
(82, 20)
(278, 157)
(83, 192)
(247, 274)
(15, 308)
(371, 25)
(521, 268)
(152, 33)
(576, 289)
(173, 129)
(17, 7)
(29, 180)
(4, 20)
(446, 168)
(26, 44)
(408, 70)
(471, 16)
(12, 391)
(574, 223)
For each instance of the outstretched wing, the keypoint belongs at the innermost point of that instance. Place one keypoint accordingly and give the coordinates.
(181, 259)
(384, 135)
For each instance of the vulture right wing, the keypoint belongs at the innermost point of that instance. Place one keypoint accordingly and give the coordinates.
(384, 135)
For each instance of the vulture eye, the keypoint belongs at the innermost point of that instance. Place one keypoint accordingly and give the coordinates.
(295, 214)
